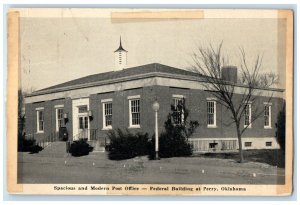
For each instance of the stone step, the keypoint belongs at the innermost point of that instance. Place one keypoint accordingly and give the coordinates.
(97, 145)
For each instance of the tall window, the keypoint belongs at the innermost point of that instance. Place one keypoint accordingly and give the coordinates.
(134, 115)
(107, 115)
(178, 112)
(267, 116)
(247, 115)
(211, 114)
(40, 121)
(59, 118)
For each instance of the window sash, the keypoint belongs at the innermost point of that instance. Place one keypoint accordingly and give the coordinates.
(135, 112)
(40, 121)
(80, 122)
(267, 116)
(247, 115)
(211, 113)
(86, 125)
(178, 115)
(59, 118)
(107, 115)
(83, 122)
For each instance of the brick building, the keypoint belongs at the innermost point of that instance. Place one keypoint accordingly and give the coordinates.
(90, 106)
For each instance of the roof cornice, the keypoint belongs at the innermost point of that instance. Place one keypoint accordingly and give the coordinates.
(134, 77)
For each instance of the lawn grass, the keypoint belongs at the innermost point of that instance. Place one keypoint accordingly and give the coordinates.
(273, 157)
(97, 168)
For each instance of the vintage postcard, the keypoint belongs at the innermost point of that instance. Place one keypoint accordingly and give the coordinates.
(150, 102)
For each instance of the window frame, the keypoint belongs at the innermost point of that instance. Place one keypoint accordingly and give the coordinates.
(212, 145)
(177, 98)
(84, 121)
(131, 99)
(211, 100)
(269, 105)
(247, 145)
(269, 144)
(58, 107)
(106, 102)
(250, 115)
(38, 110)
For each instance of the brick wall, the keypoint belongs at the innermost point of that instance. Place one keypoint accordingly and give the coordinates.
(197, 106)
(49, 118)
(195, 102)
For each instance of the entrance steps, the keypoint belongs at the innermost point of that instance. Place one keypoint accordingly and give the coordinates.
(97, 145)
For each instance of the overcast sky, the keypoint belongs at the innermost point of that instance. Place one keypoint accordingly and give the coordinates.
(55, 50)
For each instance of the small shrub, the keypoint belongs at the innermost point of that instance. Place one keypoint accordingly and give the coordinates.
(126, 145)
(80, 148)
(35, 149)
(173, 144)
(28, 145)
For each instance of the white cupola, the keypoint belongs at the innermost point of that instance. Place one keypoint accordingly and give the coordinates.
(120, 57)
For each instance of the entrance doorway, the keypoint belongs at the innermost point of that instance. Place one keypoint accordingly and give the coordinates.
(81, 123)
(83, 120)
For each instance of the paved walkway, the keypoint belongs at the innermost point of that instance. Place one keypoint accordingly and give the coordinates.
(96, 168)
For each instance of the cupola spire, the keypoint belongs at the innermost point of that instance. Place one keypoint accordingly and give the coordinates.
(120, 57)
(120, 47)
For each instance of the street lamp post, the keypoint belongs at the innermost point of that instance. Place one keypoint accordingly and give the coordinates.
(155, 107)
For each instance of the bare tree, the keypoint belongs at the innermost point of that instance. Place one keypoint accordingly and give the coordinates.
(234, 96)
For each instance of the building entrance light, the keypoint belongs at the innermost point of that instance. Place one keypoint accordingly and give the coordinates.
(65, 116)
(155, 106)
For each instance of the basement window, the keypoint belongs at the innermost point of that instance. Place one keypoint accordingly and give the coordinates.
(213, 145)
(268, 144)
(248, 144)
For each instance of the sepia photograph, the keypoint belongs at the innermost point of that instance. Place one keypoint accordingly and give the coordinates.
(151, 101)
